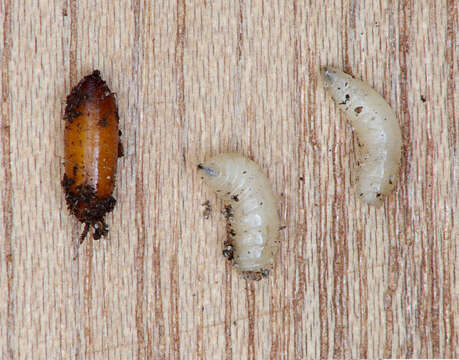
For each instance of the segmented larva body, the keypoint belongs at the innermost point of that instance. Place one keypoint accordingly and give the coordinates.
(251, 212)
(378, 134)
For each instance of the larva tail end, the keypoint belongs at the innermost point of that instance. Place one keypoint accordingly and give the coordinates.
(379, 205)
(101, 229)
(255, 275)
(376, 203)
(372, 198)
(84, 233)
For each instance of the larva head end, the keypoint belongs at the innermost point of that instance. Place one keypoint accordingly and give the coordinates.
(206, 169)
(327, 75)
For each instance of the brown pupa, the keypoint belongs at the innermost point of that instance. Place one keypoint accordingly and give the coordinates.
(92, 147)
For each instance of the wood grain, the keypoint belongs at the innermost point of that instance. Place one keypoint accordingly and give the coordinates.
(194, 78)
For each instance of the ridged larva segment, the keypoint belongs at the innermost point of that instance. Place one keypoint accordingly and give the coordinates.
(378, 134)
(251, 211)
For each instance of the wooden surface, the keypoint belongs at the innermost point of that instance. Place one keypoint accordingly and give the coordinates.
(194, 78)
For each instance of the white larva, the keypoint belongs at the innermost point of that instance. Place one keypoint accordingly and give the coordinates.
(378, 134)
(251, 212)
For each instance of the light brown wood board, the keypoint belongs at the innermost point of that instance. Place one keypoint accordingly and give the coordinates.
(195, 78)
